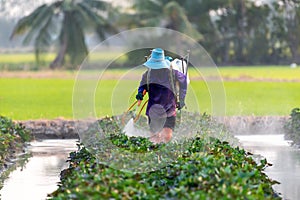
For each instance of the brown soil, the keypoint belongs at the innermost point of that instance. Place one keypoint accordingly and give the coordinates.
(56, 128)
(38, 74)
(133, 76)
(68, 129)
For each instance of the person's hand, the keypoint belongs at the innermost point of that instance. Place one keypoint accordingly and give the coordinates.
(139, 96)
(180, 105)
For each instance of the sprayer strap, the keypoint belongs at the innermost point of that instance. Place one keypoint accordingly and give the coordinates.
(171, 77)
(148, 79)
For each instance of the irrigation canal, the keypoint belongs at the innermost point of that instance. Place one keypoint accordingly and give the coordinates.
(40, 175)
(285, 160)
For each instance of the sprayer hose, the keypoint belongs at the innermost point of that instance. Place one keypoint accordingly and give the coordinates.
(139, 113)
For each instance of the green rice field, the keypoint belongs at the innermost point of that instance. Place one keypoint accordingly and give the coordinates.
(255, 91)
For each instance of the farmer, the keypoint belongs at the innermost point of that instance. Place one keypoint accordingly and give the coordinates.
(159, 81)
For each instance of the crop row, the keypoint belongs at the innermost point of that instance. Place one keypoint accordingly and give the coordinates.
(202, 166)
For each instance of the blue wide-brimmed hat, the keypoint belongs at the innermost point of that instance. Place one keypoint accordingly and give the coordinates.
(157, 60)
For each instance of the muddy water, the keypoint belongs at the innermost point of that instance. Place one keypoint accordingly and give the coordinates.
(285, 160)
(40, 175)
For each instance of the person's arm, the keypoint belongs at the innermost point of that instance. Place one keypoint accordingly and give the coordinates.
(142, 87)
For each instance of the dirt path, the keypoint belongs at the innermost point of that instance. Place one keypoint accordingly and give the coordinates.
(115, 75)
(68, 129)
(38, 74)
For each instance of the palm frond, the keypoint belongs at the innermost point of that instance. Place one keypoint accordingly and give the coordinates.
(76, 16)
(149, 12)
(26, 22)
(148, 6)
(41, 19)
(44, 38)
(98, 5)
(179, 19)
(102, 24)
(76, 48)
(87, 14)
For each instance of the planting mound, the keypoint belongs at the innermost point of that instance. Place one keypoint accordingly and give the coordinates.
(107, 141)
(205, 168)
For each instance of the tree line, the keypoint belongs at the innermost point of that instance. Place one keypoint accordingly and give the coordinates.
(234, 32)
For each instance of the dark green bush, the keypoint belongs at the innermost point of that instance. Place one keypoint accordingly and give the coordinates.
(12, 138)
(292, 127)
(7, 126)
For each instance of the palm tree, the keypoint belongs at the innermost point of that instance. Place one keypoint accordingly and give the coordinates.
(65, 23)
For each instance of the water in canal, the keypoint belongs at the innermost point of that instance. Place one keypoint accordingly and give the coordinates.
(285, 160)
(40, 175)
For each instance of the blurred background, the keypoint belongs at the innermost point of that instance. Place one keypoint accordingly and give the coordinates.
(234, 32)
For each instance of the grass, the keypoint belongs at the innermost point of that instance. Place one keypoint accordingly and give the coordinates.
(17, 58)
(272, 72)
(261, 98)
(34, 97)
(260, 73)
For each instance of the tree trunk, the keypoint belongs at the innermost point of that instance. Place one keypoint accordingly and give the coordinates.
(241, 12)
(59, 59)
(226, 52)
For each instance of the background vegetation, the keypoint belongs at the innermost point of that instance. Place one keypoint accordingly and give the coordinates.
(234, 32)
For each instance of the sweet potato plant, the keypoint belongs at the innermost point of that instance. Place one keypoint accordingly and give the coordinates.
(206, 166)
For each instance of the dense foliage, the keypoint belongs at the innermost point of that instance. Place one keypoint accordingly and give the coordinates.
(12, 138)
(64, 23)
(207, 168)
(292, 126)
(233, 32)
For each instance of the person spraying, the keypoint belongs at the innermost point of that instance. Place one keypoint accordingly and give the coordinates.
(159, 82)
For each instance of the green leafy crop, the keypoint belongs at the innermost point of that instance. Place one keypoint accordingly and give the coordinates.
(206, 168)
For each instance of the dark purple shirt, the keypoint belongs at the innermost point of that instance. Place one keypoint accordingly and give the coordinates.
(162, 101)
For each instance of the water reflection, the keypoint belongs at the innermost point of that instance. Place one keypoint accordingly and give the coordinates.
(40, 175)
(20, 161)
(285, 160)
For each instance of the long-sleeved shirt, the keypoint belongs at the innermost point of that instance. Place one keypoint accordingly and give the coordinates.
(158, 84)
